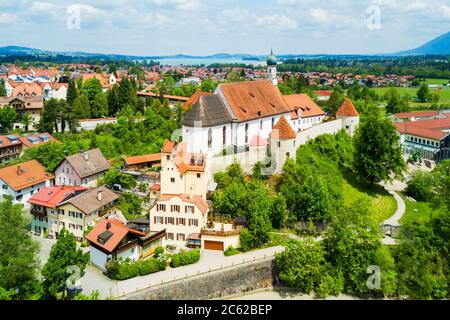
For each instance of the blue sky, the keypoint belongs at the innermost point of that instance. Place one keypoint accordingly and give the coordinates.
(201, 27)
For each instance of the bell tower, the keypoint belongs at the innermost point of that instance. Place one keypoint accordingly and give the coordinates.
(272, 68)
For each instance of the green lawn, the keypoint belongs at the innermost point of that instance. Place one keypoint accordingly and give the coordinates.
(444, 94)
(384, 204)
(436, 81)
(416, 211)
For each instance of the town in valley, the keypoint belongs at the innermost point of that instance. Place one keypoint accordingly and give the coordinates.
(260, 176)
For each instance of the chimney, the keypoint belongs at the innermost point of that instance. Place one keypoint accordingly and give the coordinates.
(19, 170)
(99, 195)
(108, 225)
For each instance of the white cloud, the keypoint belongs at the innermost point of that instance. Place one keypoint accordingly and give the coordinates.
(7, 18)
(179, 4)
(276, 22)
(322, 16)
(445, 11)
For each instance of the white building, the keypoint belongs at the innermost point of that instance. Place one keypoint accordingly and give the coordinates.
(21, 181)
(82, 169)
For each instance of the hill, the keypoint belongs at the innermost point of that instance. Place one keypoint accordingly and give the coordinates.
(438, 46)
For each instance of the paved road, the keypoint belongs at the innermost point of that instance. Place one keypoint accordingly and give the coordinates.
(393, 188)
(209, 261)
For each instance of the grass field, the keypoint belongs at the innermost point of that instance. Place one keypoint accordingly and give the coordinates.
(383, 203)
(416, 211)
(444, 92)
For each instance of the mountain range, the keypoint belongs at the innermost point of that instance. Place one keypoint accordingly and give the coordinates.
(437, 46)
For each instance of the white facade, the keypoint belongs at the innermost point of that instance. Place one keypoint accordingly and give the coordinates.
(178, 224)
(99, 258)
(22, 196)
(65, 175)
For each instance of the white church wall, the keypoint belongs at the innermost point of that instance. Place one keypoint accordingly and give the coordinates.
(331, 127)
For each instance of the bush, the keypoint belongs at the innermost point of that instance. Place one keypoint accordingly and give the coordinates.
(158, 251)
(151, 265)
(420, 186)
(185, 258)
(246, 239)
(122, 270)
(230, 251)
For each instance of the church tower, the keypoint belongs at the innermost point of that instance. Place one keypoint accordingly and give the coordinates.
(272, 68)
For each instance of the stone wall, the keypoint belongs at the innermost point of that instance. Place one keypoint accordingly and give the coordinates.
(230, 281)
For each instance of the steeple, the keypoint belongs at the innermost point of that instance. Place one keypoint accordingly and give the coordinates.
(272, 67)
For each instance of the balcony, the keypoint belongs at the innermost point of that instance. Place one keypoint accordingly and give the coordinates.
(38, 213)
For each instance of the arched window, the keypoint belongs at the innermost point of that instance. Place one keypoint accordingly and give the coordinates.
(209, 138)
(224, 135)
(246, 133)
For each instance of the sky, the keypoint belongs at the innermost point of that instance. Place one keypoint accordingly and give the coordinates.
(203, 27)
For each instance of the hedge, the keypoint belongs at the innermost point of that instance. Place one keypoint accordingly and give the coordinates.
(122, 270)
(185, 258)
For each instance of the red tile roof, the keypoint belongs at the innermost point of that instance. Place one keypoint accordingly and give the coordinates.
(410, 128)
(52, 196)
(324, 93)
(305, 104)
(347, 109)
(196, 200)
(117, 228)
(39, 140)
(168, 146)
(417, 114)
(283, 130)
(5, 142)
(24, 175)
(194, 98)
(155, 187)
(156, 157)
(254, 99)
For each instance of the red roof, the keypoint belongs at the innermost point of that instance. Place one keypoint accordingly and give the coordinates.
(283, 130)
(416, 114)
(39, 139)
(156, 157)
(305, 104)
(194, 98)
(258, 141)
(347, 109)
(52, 196)
(155, 187)
(324, 93)
(432, 129)
(196, 200)
(168, 146)
(117, 228)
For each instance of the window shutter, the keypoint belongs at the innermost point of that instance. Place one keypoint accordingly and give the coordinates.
(154, 220)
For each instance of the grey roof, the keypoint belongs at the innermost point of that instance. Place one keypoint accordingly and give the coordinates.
(95, 163)
(210, 110)
(89, 201)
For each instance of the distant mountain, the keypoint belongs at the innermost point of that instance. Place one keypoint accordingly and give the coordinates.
(439, 45)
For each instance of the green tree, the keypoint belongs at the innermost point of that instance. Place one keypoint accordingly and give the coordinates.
(72, 92)
(424, 94)
(315, 200)
(336, 99)
(126, 94)
(26, 121)
(352, 243)
(99, 106)
(2, 88)
(82, 107)
(18, 252)
(278, 212)
(49, 116)
(113, 100)
(8, 116)
(63, 254)
(91, 88)
(378, 154)
(113, 176)
(302, 265)
(441, 184)
(208, 85)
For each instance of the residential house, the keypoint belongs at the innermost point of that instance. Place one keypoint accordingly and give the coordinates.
(54, 90)
(10, 148)
(82, 169)
(30, 105)
(22, 180)
(112, 239)
(81, 212)
(182, 217)
(44, 209)
(36, 139)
